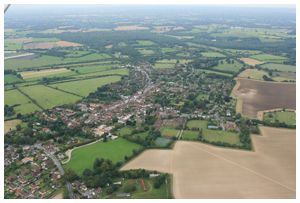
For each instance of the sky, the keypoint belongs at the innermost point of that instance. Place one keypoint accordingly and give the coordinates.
(150, 1)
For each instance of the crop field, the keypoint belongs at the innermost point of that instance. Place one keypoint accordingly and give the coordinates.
(269, 58)
(204, 171)
(43, 73)
(228, 67)
(253, 74)
(49, 45)
(46, 60)
(114, 150)
(288, 117)
(211, 54)
(48, 97)
(169, 132)
(9, 78)
(279, 67)
(85, 87)
(259, 95)
(251, 62)
(22, 104)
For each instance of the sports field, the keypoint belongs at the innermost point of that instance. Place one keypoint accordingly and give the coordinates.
(114, 150)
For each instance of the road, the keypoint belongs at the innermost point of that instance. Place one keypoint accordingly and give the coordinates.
(60, 168)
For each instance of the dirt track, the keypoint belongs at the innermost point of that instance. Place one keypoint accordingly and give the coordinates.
(259, 96)
(205, 171)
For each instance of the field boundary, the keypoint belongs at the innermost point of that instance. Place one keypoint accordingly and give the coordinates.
(64, 91)
(32, 100)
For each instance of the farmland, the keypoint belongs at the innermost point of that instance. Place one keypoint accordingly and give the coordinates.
(190, 175)
(253, 74)
(225, 66)
(269, 58)
(43, 73)
(279, 67)
(251, 62)
(114, 150)
(258, 95)
(169, 132)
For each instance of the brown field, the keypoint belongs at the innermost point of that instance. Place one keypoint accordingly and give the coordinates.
(59, 195)
(205, 171)
(41, 73)
(50, 45)
(251, 62)
(260, 95)
(130, 27)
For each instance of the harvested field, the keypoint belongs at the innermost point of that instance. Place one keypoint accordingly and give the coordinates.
(42, 73)
(205, 171)
(50, 45)
(259, 95)
(251, 62)
(130, 28)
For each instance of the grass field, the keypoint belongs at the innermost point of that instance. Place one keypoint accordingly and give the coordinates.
(189, 135)
(9, 78)
(169, 132)
(168, 50)
(93, 68)
(215, 72)
(114, 150)
(168, 63)
(43, 73)
(211, 54)
(287, 117)
(201, 96)
(85, 87)
(124, 131)
(46, 60)
(121, 71)
(22, 104)
(146, 52)
(284, 76)
(11, 125)
(253, 74)
(48, 97)
(162, 141)
(228, 67)
(212, 135)
(269, 58)
(145, 43)
(279, 67)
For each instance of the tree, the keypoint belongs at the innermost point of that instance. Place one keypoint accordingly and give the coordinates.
(70, 175)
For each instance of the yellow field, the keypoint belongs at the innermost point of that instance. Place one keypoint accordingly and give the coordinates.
(42, 73)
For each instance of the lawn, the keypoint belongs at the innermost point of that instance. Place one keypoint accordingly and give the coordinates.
(85, 87)
(9, 78)
(287, 117)
(253, 74)
(124, 131)
(269, 58)
(114, 150)
(196, 124)
(22, 104)
(48, 97)
(279, 67)
(228, 67)
(169, 132)
(190, 135)
(212, 54)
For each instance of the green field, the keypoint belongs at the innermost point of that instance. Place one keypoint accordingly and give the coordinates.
(124, 131)
(114, 150)
(91, 69)
(190, 135)
(213, 135)
(279, 67)
(85, 87)
(253, 74)
(146, 52)
(287, 117)
(168, 50)
(9, 78)
(162, 141)
(121, 71)
(48, 97)
(284, 76)
(215, 72)
(169, 132)
(211, 54)
(145, 43)
(269, 58)
(168, 63)
(201, 97)
(23, 104)
(46, 60)
(228, 67)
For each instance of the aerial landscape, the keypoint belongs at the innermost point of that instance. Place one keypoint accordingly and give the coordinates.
(149, 102)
